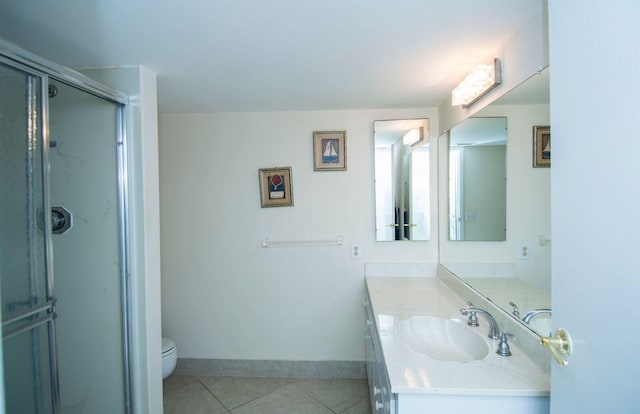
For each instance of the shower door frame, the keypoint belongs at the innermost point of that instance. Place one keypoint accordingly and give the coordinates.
(38, 66)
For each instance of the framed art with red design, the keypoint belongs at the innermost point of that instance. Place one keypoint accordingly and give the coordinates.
(276, 189)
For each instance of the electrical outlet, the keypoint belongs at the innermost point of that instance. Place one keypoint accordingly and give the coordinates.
(355, 251)
(524, 252)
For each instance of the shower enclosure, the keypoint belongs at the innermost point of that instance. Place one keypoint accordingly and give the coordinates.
(63, 245)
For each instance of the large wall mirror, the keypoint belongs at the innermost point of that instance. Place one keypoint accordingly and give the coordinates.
(515, 272)
(402, 189)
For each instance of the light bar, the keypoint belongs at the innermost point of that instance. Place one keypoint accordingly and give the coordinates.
(412, 136)
(477, 84)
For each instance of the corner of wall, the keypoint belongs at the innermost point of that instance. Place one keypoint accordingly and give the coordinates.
(151, 216)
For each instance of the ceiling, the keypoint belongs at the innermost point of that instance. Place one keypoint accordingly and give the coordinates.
(272, 55)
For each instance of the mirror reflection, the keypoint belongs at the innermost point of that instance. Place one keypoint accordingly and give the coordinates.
(402, 179)
(515, 274)
(477, 180)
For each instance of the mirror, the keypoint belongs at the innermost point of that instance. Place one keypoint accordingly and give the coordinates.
(402, 179)
(477, 180)
(516, 272)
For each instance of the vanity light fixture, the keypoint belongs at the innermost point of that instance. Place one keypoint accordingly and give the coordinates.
(477, 84)
(414, 137)
(411, 137)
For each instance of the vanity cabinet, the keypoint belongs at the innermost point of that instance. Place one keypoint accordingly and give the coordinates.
(383, 401)
(402, 381)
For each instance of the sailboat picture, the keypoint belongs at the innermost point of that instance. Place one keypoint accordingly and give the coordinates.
(330, 153)
(330, 150)
(542, 146)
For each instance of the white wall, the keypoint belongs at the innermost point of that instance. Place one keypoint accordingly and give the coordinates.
(224, 296)
(528, 202)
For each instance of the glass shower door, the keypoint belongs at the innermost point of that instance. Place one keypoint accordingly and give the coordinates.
(28, 306)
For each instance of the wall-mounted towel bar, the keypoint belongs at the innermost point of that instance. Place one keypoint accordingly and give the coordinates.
(266, 243)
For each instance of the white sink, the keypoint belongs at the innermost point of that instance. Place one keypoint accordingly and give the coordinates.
(442, 339)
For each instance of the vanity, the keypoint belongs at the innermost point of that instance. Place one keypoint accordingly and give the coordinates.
(489, 203)
(405, 378)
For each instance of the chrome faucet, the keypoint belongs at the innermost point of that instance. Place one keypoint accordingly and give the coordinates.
(533, 313)
(494, 330)
(515, 312)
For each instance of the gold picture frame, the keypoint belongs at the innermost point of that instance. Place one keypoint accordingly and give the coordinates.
(542, 146)
(276, 189)
(330, 150)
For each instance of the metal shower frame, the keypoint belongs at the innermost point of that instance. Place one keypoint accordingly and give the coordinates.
(44, 69)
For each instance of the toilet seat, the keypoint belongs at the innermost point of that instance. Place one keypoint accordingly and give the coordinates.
(169, 357)
(167, 346)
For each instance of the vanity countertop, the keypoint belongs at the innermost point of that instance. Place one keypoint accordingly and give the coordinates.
(397, 298)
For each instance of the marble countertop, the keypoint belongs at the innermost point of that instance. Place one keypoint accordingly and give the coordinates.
(397, 298)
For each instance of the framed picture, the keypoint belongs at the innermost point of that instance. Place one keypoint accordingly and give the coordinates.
(541, 146)
(275, 187)
(330, 150)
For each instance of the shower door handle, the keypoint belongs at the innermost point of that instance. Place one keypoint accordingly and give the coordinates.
(29, 319)
(61, 220)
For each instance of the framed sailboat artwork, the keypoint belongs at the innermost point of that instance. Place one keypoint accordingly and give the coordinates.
(541, 146)
(330, 150)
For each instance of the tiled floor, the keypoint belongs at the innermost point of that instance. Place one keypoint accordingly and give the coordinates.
(240, 395)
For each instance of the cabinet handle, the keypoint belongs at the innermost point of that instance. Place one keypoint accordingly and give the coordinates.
(379, 405)
(376, 391)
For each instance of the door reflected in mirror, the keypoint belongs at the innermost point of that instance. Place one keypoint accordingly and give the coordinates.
(402, 189)
(477, 180)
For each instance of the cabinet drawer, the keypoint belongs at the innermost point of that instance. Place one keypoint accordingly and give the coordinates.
(383, 401)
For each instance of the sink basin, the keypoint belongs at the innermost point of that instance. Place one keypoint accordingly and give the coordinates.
(442, 339)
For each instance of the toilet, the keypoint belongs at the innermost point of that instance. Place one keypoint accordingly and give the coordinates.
(169, 357)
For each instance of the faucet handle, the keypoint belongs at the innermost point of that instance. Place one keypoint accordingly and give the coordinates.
(503, 346)
(515, 312)
(473, 317)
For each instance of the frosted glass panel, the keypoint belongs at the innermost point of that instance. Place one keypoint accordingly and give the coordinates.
(84, 179)
(27, 376)
(21, 205)
(26, 355)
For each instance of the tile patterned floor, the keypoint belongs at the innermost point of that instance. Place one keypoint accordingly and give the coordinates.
(240, 395)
